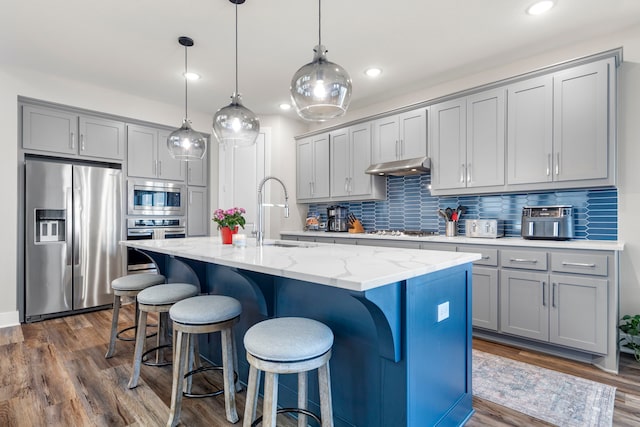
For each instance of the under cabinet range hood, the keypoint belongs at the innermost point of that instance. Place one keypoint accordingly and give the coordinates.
(405, 167)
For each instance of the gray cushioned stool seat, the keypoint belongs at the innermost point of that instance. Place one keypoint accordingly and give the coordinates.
(137, 282)
(205, 309)
(167, 294)
(288, 339)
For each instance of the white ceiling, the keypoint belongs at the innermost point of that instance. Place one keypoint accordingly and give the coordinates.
(131, 45)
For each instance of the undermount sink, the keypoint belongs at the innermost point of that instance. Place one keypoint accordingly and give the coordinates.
(280, 244)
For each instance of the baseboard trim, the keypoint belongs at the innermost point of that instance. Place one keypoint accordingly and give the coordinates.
(9, 318)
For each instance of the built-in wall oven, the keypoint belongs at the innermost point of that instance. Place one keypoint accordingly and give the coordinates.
(155, 198)
(145, 228)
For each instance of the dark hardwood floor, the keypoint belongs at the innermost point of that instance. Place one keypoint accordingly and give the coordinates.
(53, 373)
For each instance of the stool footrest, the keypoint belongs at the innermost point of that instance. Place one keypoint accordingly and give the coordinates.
(291, 410)
(203, 369)
(151, 350)
(135, 328)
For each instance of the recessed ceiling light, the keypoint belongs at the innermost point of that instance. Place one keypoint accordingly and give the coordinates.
(191, 76)
(373, 71)
(540, 7)
(285, 106)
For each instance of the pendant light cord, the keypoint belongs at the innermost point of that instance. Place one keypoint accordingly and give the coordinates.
(236, 48)
(186, 80)
(319, 23)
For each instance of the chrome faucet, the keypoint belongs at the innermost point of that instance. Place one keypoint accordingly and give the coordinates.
(261, 205)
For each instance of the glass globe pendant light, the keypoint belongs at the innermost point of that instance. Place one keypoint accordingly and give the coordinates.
(235, 125)
(185, 143)
(321, 90)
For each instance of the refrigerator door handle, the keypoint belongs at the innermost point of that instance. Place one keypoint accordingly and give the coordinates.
(77, 218)
(68, 234)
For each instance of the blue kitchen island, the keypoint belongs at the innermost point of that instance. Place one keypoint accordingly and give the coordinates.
(401, 319)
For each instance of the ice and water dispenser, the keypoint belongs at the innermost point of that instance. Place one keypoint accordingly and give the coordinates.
(50, 225)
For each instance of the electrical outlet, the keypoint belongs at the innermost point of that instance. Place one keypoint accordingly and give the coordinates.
(443, 311)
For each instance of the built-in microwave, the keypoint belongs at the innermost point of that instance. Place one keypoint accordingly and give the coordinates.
(156, 198)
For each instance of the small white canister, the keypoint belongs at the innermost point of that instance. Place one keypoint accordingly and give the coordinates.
(239, 240)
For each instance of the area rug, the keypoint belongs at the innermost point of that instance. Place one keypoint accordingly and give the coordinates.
(554, 397)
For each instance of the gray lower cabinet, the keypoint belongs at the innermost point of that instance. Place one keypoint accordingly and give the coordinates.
(148, 156)
(578, 312)
(524, 304)
(485, 298)
(484, 287)
(566, 309)
(198, 219)
(71, 134)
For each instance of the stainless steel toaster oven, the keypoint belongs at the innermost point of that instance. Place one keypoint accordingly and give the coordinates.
(547, 222)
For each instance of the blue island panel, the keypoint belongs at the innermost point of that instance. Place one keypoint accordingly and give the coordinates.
(393, 362)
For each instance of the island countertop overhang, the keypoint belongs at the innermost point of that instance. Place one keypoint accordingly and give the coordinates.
(351, 267)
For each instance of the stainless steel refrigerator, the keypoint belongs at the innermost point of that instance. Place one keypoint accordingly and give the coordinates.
(72, 230)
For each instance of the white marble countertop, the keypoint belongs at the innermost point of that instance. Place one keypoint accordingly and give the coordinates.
(357, 268)
(462, 240)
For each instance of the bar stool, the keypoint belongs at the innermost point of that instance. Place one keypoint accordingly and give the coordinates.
(202, 315)
(156, 299)
(128, 286)
(287, 345)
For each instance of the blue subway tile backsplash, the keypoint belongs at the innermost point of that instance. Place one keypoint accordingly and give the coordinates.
(410, 206)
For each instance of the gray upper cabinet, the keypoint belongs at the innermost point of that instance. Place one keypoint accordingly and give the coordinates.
(148, 156)
(581, 122)
(467, 142)
(197, 171)
(101, 138)
(558, 129)
(61, 132)
(401, 136)
(530, 131)
(350, 150)
(312, 160)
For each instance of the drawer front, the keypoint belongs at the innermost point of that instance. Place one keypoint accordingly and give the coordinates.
(579, 263)
(489, 255)
(528, 260)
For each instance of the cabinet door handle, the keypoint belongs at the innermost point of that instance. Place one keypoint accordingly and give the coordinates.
(578, 264)
(349, 187)
(155, 167)
(397, 142)
(159, 167)
(485, 257)
(346, 184)
(81, 142)
(553, 295)
(402, 148)
(469, 172)
(72, 141)
(544, 296)
(532, 261)
(548, 164)
(462, 171)
(557, 163)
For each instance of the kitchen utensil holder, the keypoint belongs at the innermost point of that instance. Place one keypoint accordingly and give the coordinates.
(451, 228)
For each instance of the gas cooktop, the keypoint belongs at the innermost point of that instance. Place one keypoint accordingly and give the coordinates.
(400, 233)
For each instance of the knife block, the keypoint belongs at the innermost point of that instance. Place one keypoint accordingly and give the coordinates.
(356, 227)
